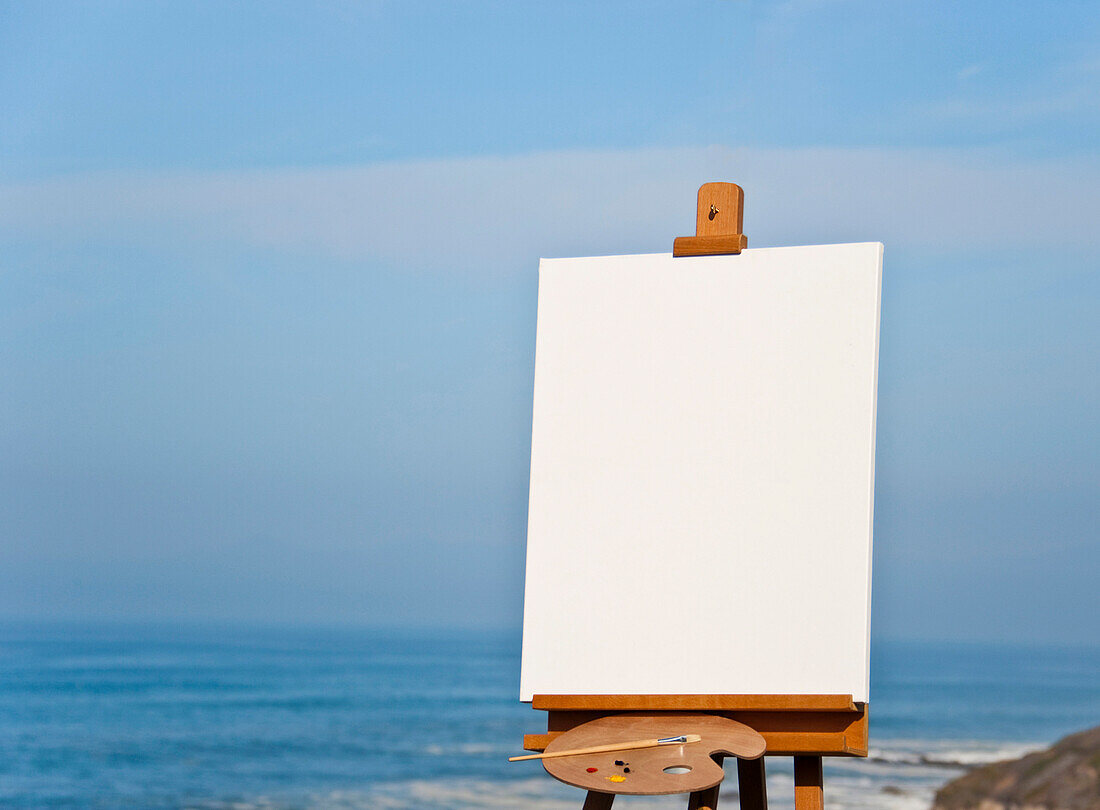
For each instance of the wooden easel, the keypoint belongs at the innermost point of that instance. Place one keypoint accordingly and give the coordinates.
(805, 727)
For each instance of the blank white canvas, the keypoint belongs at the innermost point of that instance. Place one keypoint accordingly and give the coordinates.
(702, 474)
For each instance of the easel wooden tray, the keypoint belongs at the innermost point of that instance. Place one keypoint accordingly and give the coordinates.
(792, 725)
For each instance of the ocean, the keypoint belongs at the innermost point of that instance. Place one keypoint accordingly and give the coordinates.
(232, 718)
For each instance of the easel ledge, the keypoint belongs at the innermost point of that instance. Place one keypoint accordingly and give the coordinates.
(792, 725)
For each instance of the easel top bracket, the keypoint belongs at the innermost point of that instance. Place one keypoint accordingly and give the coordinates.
(718, 223)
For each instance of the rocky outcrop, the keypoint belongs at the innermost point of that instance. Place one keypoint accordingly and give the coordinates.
(1066, 776)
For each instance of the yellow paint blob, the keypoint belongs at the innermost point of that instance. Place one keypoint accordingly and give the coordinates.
(616, 778)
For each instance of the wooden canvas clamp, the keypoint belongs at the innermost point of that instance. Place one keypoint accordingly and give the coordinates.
(717, 223)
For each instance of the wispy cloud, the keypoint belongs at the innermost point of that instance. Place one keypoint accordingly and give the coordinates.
(969, 72)
(1065, 91)
(1017, 109)
(503, 212)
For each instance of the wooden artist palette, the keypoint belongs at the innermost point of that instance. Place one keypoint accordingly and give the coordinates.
(657, 770)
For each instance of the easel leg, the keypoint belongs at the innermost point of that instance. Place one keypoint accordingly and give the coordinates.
(598, 801)
(751, 787)
(705, 799)
(808, 784)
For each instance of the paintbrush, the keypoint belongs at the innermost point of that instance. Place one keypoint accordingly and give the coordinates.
(683, 739)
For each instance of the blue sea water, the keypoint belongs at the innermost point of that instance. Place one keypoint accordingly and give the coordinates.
(246, 718)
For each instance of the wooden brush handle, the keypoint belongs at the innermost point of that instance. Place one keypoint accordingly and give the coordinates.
(600, 749)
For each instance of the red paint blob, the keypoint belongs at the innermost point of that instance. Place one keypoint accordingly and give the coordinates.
(591, 770)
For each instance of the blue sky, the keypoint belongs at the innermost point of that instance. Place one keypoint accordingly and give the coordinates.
(267, 285)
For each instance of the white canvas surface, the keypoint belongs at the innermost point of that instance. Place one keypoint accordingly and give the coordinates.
(702, 474)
